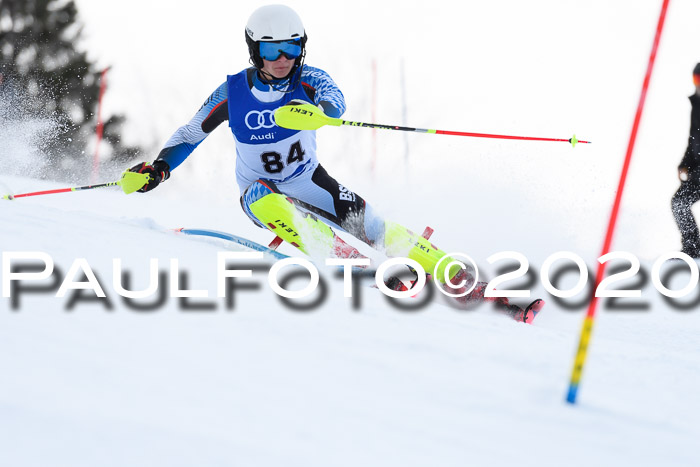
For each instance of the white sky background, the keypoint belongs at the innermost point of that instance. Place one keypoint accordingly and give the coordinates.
(546, 68)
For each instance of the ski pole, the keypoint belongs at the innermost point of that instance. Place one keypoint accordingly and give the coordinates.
(130, 182)
(309, 117)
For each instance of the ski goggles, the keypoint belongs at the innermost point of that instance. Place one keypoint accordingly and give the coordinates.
(271, 51)
(696, 80)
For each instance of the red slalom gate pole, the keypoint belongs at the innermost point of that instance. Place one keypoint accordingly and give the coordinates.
(587, 327)
(100, 126)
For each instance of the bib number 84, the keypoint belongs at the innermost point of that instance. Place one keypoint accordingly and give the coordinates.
(272, 160)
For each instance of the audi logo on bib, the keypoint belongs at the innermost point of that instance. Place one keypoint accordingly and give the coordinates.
(256, 119)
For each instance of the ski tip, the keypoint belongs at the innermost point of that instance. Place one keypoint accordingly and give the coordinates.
(8, 197)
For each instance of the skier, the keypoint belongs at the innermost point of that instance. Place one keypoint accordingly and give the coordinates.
(689, 175)
(284, 188)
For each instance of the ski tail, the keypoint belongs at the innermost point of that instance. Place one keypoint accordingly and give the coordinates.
(528, 314)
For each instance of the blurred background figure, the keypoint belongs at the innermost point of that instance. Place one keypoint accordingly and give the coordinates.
(689, 175)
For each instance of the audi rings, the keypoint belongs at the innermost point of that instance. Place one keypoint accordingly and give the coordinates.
(256, 119)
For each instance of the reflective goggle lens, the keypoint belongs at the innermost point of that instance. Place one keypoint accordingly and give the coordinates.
(696, 80)
(271, 51)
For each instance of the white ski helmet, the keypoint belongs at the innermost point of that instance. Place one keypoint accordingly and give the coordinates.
(272, 23)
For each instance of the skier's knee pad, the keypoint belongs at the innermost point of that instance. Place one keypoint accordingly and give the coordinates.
(255, 192)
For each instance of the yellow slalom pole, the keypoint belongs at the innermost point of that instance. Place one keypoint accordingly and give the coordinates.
(580, 359)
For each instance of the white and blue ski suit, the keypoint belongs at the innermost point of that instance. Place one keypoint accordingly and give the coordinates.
(284, 159)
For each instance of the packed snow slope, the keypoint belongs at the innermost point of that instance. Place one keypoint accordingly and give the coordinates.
(96, 382)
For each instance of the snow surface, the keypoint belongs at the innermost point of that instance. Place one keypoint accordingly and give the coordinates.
(264, 384)
(345, 385)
